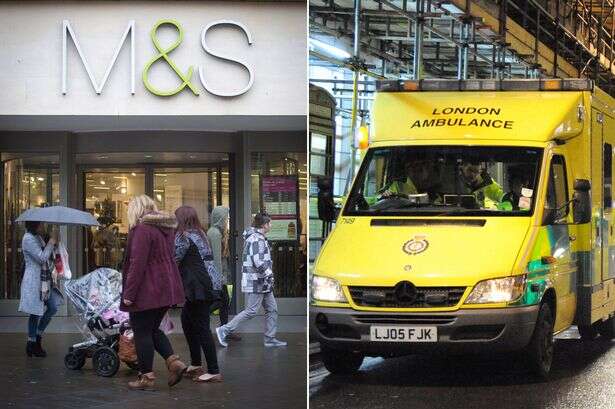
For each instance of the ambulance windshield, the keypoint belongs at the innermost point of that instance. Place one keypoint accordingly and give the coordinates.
(446, 180)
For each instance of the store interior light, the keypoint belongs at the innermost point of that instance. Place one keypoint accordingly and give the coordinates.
(102, 182)
(133, 174)
(317, 45)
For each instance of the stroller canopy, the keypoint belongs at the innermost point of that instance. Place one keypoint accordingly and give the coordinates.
(95, 292)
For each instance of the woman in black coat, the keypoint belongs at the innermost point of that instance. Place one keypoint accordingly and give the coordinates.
(202, 286)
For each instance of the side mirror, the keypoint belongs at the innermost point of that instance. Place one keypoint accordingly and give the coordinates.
(326, 207)
(582, 207)
(582, 185)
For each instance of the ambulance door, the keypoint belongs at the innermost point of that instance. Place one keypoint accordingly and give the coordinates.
(599, 235)
(608, 255)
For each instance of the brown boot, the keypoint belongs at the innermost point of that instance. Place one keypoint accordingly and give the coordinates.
(176, 369)
(144, 382)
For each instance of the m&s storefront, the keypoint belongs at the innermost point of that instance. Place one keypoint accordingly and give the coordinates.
(192, 103)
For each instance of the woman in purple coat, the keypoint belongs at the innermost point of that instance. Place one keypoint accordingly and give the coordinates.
(151, 284)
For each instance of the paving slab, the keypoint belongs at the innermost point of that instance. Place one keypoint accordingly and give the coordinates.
(254, 377)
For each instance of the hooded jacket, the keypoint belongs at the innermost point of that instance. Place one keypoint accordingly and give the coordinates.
(219, 217)
(150, 276)
(257, 275)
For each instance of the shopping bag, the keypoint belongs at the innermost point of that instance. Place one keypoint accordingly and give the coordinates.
(166, 325)
(60, 263)
(126, 347)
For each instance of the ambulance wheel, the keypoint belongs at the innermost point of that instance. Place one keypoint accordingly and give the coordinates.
(74, 360)
(540, 349)
(588, 332)
(341, 362)
(607, 329)
(106, 362)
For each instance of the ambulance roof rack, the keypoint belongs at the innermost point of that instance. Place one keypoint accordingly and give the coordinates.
(541, 84)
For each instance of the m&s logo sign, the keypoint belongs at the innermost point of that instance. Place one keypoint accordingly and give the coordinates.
(163, 56)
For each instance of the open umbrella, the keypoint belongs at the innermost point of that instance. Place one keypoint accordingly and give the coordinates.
(58, 215)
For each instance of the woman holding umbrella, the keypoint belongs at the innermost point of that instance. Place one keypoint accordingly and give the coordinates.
(38, 297)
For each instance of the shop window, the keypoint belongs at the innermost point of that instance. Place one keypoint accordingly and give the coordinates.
(279, 185)
(28, 182)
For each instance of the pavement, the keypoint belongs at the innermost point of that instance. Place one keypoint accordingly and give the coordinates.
(582, 377)
(63, 325)
(254, 376)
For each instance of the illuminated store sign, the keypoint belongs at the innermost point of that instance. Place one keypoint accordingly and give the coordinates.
(161, 57)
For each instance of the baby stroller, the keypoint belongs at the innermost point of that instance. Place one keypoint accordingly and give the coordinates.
(96, 297)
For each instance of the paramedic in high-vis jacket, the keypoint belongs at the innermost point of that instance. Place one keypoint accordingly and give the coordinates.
(475, 178)
(421, 176)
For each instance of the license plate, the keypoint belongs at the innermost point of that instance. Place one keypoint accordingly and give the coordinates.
(403, 334)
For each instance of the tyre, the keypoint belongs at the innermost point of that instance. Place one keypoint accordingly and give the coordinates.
(539, 351)
(106, 362)
(607, 328)
(588, 332)
(74, 360)
(341, 362)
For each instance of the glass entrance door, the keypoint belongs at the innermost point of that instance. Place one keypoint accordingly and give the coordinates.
(30, 181)
(106, 195)
(200, 187)
(107, 191)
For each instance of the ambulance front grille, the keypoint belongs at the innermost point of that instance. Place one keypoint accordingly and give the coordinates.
(426, 297)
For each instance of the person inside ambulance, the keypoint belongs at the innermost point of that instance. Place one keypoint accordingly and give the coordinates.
(519, 196)
(421, 175)
(476, 179)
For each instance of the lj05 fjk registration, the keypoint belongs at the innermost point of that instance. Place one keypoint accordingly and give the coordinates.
(403, 334)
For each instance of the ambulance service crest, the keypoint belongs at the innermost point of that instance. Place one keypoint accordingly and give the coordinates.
(416, 245)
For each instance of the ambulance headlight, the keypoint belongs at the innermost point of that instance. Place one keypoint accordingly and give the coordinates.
(326, 289)
(498, 290)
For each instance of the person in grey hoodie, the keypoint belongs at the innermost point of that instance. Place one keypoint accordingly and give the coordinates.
(218, 236)
(257, 282)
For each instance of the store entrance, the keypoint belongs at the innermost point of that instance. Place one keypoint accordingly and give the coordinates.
(107, 194)
(107, 190)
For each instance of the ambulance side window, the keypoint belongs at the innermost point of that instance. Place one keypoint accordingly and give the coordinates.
(374, 181)
(557, 190)
(607, 163)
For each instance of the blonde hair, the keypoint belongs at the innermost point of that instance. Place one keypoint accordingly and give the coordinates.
(138, 207)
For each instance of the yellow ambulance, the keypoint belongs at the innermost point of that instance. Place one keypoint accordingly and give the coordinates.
(480, 220)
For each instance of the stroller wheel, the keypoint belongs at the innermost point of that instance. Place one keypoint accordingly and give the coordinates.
(106, 362)
(74, 360)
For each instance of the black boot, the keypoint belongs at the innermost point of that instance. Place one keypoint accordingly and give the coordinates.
(29, 347)
(40, 346)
